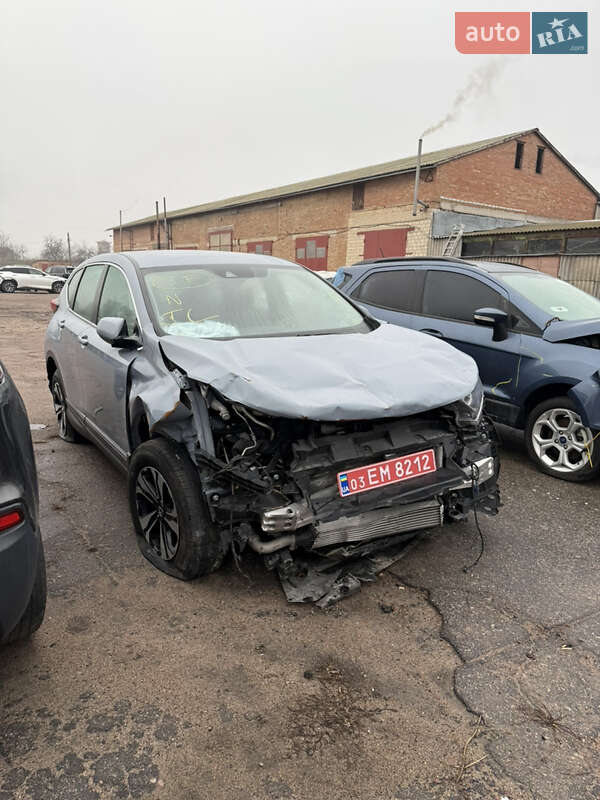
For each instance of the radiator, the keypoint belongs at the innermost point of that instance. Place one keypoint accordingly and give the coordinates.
(384, 522)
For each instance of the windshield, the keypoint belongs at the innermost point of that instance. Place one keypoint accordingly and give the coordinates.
(246, 300)
(555, 297)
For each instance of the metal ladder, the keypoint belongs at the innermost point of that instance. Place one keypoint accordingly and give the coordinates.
(454, 240)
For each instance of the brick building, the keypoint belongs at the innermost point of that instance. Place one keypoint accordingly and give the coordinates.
(327, 222)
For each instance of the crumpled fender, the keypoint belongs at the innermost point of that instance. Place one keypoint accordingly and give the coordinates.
(586, 396)
(158, 398)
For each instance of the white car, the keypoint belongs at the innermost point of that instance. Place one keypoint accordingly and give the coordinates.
(13, 278)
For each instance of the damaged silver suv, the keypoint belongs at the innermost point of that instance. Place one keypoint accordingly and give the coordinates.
(253, 405)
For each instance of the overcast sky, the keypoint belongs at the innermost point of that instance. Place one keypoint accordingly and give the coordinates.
(111, 104)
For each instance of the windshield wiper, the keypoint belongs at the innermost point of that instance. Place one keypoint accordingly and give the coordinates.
(551, 320)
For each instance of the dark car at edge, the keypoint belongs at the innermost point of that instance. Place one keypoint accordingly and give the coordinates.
(22, 565)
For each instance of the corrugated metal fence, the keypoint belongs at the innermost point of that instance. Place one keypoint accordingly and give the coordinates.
(581, 271)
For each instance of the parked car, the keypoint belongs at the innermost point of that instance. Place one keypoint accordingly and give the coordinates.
(251, 404)
(59, 271)
(13, 278)
(22, 566)
(535, 339)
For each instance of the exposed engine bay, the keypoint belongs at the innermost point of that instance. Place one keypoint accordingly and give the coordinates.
(272, 484)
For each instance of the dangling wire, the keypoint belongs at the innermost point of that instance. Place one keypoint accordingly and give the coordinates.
(475, 479)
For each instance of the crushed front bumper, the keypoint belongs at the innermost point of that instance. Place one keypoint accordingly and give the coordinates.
(465, 478)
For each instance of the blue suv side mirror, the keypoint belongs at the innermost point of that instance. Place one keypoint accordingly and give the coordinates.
(493, 318)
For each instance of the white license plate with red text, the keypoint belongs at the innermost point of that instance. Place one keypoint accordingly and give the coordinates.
(362, 479)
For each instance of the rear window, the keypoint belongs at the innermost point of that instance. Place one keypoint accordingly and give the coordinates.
(394, 289)
(72, 286)
(85, 299)
(452, 295)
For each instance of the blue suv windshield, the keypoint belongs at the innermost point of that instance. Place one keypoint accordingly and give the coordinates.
(555, 297)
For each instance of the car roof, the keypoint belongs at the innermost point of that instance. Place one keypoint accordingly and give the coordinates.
(441, 262)
(146, 259)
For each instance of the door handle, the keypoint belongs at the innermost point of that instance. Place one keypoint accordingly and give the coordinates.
(83, 340)
(432, 332)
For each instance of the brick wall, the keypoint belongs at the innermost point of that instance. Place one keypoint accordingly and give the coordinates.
(490, 177)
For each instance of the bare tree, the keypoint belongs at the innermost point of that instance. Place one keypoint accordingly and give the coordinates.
(9, 251)
(53, 249)
(81, 251)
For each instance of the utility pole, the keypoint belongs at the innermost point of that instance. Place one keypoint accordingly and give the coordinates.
(69, 248)
(120, 230)
(157, 227)
(168, 243)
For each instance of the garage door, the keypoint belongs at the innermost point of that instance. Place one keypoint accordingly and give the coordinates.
(385, 243)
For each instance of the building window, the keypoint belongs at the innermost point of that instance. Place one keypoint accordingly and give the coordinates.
(262, 248)
(543, 247)
(385, 243)
(358, 196)
(583, 244)
(476, 247)
(539, 161)
(312, 253)
(220, 240)
(519, 155)
(509, 247)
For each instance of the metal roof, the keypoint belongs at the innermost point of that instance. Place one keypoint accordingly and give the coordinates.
(352, 176)
(540, 227)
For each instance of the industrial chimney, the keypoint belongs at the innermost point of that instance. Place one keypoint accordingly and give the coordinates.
(417, 176)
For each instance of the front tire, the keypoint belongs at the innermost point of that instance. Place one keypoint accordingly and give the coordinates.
(56, 287)
(8, 286)
(172, 524)
(59, 398)
(559, 443)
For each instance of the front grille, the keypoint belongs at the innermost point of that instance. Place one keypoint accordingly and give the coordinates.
(373, 524)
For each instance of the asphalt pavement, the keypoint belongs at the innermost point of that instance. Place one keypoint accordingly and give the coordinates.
(436, 682)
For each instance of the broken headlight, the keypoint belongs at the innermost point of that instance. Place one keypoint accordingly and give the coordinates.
(468, 410)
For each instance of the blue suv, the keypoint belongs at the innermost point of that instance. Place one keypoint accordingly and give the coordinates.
(536, 341)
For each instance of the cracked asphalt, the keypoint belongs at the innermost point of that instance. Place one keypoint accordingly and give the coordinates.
(482, 683)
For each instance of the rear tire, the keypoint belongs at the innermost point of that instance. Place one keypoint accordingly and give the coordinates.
(59, 398)
(559, 443)
(172, 524)
(34, 613)
(56, 287)
(8, 286)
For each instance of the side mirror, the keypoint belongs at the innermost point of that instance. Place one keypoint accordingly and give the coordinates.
(493, 318)
(114, 331)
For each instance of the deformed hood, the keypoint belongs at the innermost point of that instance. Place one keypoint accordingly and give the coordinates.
(563, 330)
(388, 372)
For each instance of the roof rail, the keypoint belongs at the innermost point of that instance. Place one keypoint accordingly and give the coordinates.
(395, 260)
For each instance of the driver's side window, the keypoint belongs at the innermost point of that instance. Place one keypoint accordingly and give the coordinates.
(116, 300)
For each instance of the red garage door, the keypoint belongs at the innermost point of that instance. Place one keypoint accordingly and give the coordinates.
(385, 243)
(264, 248)
(312, 253)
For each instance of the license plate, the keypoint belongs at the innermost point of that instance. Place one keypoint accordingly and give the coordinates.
(362, 479)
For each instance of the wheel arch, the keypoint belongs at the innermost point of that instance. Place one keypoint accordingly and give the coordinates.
(545, 392)
(51, 367)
